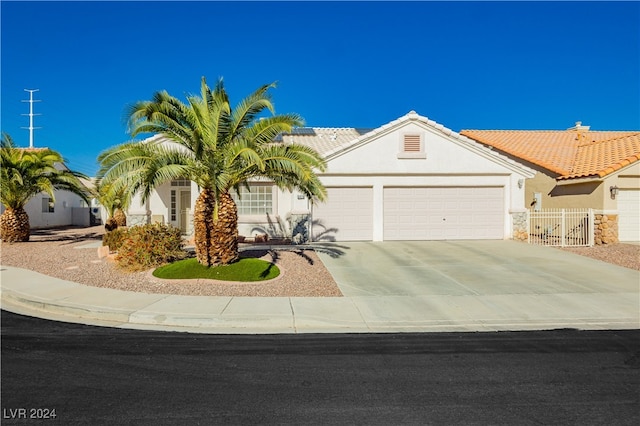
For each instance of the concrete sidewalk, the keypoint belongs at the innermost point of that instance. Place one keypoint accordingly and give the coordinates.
(433, 287)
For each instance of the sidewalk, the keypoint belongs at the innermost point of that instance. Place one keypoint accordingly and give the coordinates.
(30, 293)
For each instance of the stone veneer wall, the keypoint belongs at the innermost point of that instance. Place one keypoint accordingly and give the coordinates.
(605, 229)
(137, 219)
(520, 226)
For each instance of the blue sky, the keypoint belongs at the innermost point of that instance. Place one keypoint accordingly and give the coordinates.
(466, 65)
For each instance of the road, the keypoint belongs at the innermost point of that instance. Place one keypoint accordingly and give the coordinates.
(93, 375)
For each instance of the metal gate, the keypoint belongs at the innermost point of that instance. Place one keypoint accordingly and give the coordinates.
(562, 227)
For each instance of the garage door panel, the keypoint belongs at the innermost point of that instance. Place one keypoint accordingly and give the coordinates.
(347, 215)
(443, 213)
(629, 215)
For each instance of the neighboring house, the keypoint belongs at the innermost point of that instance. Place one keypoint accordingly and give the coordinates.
(410, 179)
(579, 168)
(68, 209)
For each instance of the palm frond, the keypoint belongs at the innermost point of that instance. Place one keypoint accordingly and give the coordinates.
(222, 148)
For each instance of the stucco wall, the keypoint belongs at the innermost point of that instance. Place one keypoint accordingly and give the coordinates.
(61, 216)
(553, 196)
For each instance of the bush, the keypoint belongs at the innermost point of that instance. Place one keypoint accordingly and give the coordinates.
(114, 239)
(149, 246)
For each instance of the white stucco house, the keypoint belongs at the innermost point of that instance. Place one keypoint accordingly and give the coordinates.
(65, 209)
(410, 179)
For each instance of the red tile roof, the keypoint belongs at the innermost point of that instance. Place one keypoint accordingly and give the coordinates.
(568, 153)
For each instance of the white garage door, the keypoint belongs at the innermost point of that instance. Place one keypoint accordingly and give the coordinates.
(347, 215)
(443, 213)
(629, 215)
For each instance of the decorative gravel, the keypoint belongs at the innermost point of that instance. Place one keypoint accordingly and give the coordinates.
(72, 254)
(627, 255)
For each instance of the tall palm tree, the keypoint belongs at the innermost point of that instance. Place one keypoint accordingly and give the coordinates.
(218, 148)
(25, 173)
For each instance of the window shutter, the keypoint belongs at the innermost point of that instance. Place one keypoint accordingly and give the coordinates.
(412, 143)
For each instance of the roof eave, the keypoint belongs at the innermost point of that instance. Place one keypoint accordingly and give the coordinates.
(567, 180)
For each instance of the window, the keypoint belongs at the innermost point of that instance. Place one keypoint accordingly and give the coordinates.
(181, 182)
(257, 200)
(47, 205)
(411, 146)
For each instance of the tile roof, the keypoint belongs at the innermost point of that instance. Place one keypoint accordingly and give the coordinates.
(322, 139)
(572, 153)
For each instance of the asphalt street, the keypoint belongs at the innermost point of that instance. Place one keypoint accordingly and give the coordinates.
(91, 375)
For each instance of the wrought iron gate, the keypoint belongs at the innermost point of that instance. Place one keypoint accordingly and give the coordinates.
(562, 227)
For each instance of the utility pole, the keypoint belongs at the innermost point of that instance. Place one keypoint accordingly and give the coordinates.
(31, 114)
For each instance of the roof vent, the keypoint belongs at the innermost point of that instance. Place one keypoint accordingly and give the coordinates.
(579, 127)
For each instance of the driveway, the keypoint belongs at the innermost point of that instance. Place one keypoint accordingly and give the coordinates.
(493, 282)
(419, 268)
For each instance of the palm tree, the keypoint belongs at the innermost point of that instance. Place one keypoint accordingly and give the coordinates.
(25, 173)
(218, 148)
(114, 202)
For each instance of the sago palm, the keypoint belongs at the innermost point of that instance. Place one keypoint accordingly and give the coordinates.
(218, 148)
(24, 173)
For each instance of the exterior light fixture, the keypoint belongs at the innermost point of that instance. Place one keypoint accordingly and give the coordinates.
(614, 191)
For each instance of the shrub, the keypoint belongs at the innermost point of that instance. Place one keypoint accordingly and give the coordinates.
(114, 239)
(148, 246)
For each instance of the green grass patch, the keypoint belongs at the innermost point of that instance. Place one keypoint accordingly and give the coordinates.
(246, 270)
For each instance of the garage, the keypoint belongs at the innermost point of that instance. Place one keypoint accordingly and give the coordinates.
(443, 213)
(629, 215)
(347, 215)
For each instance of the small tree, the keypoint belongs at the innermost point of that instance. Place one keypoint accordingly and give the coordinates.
(115, 201)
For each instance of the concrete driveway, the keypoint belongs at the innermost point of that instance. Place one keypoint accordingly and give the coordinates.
(488, 281)
(418, 268)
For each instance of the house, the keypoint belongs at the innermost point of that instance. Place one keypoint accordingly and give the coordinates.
(578, 168)
(410, 179)
(68, 209)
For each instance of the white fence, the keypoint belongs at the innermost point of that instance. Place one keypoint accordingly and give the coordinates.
(562, 227)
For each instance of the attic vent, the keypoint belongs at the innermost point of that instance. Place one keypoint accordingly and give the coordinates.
(411, 143)
(412, 146)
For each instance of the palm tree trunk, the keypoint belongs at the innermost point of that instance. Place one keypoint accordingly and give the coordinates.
(110, 224)
(120, 217)
(224, 239)
(203, 226)
(14, 225)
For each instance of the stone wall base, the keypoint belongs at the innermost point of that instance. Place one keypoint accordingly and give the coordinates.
(520, 227)
(605, 229)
